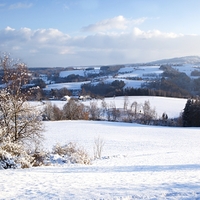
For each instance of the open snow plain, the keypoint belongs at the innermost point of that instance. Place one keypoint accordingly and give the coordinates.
(138, 162)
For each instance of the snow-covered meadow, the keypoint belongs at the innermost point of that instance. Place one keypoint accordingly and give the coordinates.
(138, 162)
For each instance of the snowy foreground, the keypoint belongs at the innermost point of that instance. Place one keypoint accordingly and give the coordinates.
(138, 162)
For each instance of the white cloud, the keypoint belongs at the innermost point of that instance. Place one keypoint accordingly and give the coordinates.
(20, 6)
(49, 36)
(154, 33)
(119, 23)
(51, 47)
(8, 28)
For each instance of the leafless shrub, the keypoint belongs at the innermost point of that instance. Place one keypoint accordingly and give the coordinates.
(98, 147)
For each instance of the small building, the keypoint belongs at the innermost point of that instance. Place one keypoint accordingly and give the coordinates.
(65, 98)
(84, 98)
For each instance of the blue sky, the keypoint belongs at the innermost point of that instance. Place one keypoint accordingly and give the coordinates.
(61, 33)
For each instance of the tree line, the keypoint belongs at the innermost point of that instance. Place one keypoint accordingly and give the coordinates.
(108, 111)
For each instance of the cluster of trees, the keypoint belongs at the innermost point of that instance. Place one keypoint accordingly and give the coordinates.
(191, 113)
(162, 87)
(165, 87)
(151, 92)
(101, 110)
(110, 70)
(105, 90)
(173, 83)
(72, 110)
(70, 78)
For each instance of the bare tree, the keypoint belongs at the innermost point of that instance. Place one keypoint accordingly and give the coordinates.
(126, 102)
(104, 107)
(133, 113)
(134, 107)
(114, 112)
(19, 121)
(94, 110)
(48, 113)
(74, 110)
(52, 112)
(148, 113)
(106, 112)
(57, 112)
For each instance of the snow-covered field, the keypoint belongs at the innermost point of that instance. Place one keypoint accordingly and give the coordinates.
(172, 106)
(140, 71)
(138, 162)
(69, 86)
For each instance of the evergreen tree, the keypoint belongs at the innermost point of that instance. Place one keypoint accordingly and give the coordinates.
(191, 113)
(186, 117)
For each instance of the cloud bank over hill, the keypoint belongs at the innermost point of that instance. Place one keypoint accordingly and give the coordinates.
(116, 40)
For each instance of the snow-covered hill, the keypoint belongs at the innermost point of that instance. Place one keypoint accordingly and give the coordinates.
(195, 60)
(133, 75)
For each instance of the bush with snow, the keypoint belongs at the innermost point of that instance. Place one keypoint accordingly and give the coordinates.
(6, 160)
(71, 153)
(40, 158)
(13, 155)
